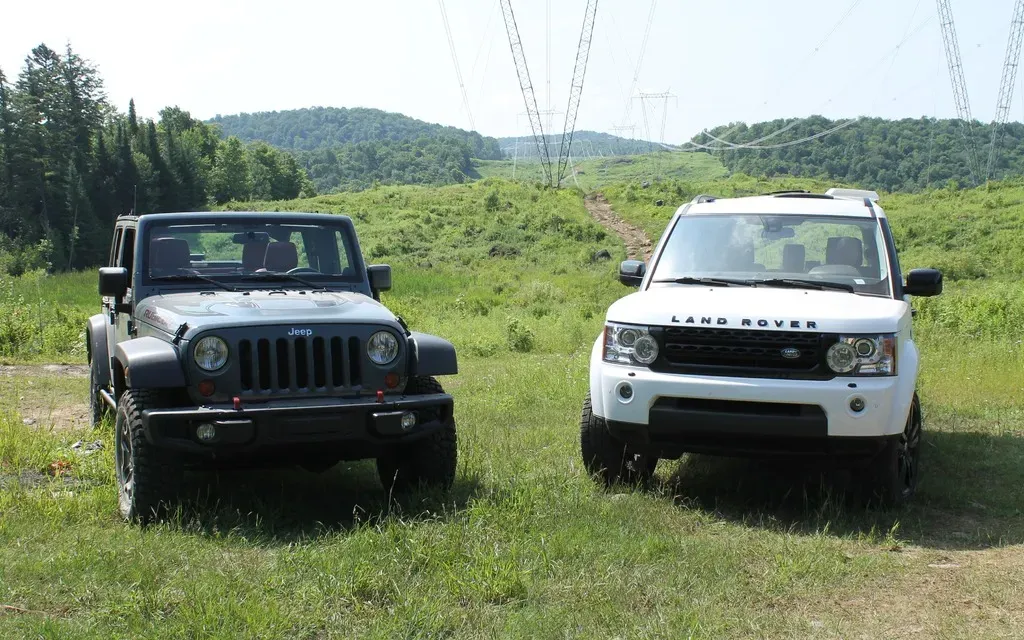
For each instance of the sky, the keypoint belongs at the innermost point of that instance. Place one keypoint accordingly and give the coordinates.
(724, 61)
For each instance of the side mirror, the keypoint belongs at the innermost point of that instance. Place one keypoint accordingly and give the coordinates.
(380, 277)
(923, 282)
(631, 272)
(113, 282)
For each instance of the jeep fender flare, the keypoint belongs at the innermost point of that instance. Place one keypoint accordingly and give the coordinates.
(150, 363)
(431, 356)
(96, 343)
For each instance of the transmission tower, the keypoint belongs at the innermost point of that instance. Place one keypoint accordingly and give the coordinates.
(576, 89)
(1003, 103)
(526, 86)
(664, 96)
(956, 78)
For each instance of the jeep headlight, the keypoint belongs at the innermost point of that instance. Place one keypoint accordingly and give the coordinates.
(863, 355)
(629, 344)
(210, 353)
(382, 348)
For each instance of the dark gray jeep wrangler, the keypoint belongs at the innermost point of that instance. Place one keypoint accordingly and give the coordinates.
(259, 339)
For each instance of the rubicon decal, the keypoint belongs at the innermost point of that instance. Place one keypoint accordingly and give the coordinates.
(763, 323)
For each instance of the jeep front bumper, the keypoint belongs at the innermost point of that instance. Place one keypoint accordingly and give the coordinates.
(360, 424)
(668, 414)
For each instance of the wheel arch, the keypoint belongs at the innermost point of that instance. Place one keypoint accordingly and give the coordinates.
(149, 363)
(431, 356)
(96, 345)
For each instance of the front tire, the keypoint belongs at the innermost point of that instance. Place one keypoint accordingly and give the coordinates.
(148, 479)
(607, 457)
(891, 477)
(426, 462)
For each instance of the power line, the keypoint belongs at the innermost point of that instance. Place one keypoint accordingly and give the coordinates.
(639, 60)
(455, 61)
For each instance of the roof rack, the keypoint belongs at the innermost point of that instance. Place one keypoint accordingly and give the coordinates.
(858, 194)
(784, 191)
(704, 197)
(803, 194)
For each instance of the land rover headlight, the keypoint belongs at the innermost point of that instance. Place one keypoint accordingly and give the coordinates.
(210, 353)
(863, 355)
(382, 348)
(629, 344)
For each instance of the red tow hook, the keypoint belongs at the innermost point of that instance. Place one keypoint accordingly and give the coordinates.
(380, 397)
(238, 403)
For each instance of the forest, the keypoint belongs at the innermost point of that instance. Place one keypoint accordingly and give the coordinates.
(891, 155)
(70, 163)
(584, 144)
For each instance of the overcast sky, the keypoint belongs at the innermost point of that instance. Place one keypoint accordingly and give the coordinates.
(728, 60)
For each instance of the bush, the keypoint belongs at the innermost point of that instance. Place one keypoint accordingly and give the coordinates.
(519, 337)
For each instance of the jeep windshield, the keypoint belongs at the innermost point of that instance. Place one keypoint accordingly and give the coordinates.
(791, 251)
(250, 253)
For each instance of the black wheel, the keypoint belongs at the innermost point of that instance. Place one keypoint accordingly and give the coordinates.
(97, 407)
(606, 457)
(147, 479)
(429, 461)
(891, 478)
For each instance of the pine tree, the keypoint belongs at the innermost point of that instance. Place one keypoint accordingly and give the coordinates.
(133, 120)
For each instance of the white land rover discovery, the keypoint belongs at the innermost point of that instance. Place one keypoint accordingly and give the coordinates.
(767, 325)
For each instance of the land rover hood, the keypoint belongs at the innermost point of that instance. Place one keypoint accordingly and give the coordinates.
(764, 308)
(223, 309)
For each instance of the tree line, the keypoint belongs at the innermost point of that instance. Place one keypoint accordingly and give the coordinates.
(70, 163)
(893, 155)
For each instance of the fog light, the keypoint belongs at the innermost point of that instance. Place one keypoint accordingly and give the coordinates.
(206, 432)
(626, 391)
(857, 404)
(408, 420)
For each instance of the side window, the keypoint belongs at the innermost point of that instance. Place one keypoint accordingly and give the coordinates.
(128, 254)
(115, 248)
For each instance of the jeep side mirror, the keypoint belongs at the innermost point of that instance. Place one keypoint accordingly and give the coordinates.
(923, 282)
(631, 272)
(113, 282)
(380, 277)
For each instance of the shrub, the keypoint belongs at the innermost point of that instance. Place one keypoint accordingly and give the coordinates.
(519, 337)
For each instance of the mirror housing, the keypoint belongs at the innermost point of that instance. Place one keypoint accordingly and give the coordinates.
(631, 272)
(923, 282)
(113, 282)
(380, 277)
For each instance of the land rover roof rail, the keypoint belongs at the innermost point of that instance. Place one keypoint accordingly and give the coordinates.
(802, 194)
(854, 194)
(704, 197)
(784, 191)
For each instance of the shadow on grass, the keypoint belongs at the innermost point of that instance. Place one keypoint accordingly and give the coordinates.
(282, 506)
(970, 496)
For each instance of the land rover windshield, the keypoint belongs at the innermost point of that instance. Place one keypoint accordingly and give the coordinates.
(800, 251)
(247, 252)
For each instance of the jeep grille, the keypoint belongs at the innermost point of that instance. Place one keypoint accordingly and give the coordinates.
(299, 364)
(742, 352)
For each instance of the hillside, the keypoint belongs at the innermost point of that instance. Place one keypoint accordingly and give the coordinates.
(585, 144)
(329, 127)
(892, 155)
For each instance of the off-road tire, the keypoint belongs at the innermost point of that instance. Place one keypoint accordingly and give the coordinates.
(148, 479)
(97, 407)
(426, 462)
(608, 458)
(890, 479)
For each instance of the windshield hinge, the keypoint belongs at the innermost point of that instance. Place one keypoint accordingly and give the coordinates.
(180, 333)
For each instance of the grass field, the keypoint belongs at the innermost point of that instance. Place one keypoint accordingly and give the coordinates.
(526, 545)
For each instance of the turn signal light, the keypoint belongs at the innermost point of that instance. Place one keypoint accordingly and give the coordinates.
(207, 388)
(391, 380)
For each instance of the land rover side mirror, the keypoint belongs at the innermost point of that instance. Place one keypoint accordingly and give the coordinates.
(923, 282)
(631, 272)
(380, 277)
(113, 282)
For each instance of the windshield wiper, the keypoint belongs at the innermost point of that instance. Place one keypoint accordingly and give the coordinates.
(794, 283)
(711, 282)
(192, 277)
(280, 275)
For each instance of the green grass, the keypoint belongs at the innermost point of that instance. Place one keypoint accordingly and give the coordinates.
(598, 172)
(526, 545)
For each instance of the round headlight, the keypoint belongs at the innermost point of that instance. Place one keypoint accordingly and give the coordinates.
(211, 353)
(841, 357)
(645, 349)
(865, 347)
(382, 348)
(628, 337)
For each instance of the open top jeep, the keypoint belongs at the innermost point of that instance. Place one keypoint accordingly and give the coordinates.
(259, 338)
(769, 325)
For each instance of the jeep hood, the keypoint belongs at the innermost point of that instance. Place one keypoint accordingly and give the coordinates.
(761, 308)
(226, 309)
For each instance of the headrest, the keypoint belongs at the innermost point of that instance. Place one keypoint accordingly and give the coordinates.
(281, 256)
(169, 254)
(252, 255)
(793, 256)
(844, 250)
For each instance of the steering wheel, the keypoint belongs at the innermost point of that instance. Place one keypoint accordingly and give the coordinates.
(302, 270)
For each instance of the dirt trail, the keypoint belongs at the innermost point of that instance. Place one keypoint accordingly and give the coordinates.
(638, 245)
